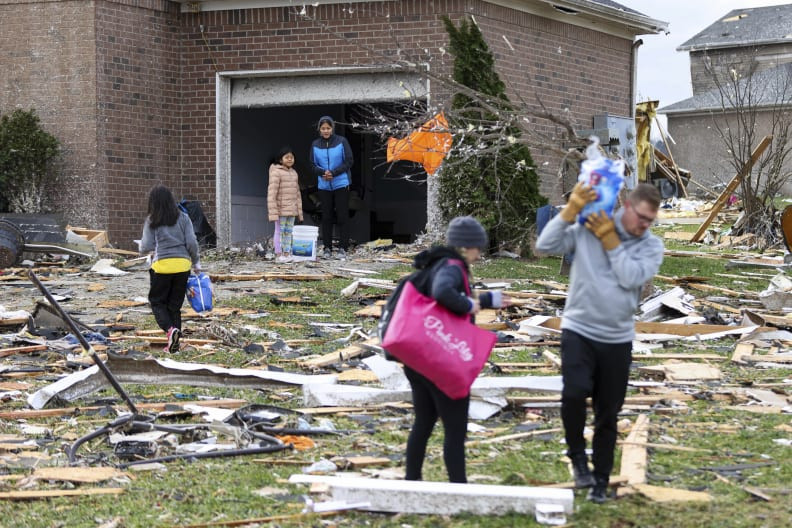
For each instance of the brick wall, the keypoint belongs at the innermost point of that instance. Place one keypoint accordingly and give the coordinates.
(139, 109)
(568, 67)
(47, 63)
(741, 60)
(573, 70)
(135, 93)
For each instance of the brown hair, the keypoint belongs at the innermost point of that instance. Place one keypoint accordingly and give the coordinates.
(645, 192)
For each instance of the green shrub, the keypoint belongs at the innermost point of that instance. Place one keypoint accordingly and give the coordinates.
(489, 174)
(27, 156)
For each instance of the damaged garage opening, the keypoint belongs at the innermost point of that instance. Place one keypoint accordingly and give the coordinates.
(258, 112)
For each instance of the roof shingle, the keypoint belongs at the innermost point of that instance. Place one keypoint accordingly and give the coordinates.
(743, 27)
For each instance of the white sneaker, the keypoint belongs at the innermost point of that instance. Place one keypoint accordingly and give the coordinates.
(283, 258)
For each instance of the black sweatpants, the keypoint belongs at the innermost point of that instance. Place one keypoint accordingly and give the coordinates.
(600, 370)
(335, 204)
(166, 296)
(429, 403)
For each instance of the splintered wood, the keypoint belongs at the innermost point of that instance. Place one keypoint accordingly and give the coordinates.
(633, 458)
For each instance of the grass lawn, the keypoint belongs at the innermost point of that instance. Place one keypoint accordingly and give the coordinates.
(228, 489)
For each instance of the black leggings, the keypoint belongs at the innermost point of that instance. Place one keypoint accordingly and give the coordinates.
(429, 403)
(166, 296)
(335, 206)
(600, 370)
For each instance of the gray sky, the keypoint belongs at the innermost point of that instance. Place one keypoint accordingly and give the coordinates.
(663, 72)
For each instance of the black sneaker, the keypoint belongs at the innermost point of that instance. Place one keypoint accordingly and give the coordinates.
(580, 468)
(599, 492)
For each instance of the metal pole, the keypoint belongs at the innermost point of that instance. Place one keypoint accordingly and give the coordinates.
(84, 343)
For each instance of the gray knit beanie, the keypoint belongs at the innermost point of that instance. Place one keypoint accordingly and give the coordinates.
(466, 232)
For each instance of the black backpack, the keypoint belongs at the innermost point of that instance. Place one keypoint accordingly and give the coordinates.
(390, 304)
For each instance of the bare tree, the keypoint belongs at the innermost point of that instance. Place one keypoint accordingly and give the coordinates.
(752, 102)
(482, 129)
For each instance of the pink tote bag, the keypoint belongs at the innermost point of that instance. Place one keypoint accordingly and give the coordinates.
(444, 347)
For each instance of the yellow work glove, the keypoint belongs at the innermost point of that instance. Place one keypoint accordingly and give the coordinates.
(604, 229)
(580, 196)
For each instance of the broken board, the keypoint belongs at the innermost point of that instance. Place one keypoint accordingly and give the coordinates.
(439, 498)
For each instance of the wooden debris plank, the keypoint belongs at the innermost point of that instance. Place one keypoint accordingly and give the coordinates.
(14, 385)
(724, 291)
(615, 481)
(367, 461)
(78, 474)
(121, 303)
(643, 399)
(732, 186)
(293, 342)
(48, 494)
(535, 295)
(728, 241)
(678, 235)
(357, 374)
(756, 409)
(663, 494)
(527, 345)
(553, 285)
(14, 446)
(667, 447)
(776, 320)
(684, 371)
(682, 280)
(515, 436)
(164, 339)
(717, 306)
(644, 327)
(97, 237)
(43, 413)
(700, 254)
(633, 457)
(740, 351)
(373, 310)
(13, 321)
(21, 350)
(339, 356)
(522, 365)
(217, 277)
(770, 358)
(308, 519)
(330, 410)
(698, 357)
(114, 251)
(553, 358)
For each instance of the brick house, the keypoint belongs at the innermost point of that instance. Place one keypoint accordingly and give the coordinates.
(745, 56)
(200, 94)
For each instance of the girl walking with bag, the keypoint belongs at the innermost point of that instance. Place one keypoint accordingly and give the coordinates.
(446, 279)
(169, 234)
(284, 202)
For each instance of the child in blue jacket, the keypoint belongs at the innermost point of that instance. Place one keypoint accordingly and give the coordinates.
(331, 161)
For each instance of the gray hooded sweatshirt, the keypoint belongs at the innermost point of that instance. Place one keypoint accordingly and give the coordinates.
(176, 241)
(604, 286)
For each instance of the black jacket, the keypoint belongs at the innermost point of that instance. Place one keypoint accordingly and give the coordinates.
(444, 282)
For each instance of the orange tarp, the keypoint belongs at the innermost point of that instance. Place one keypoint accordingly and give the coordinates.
(427, 146)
